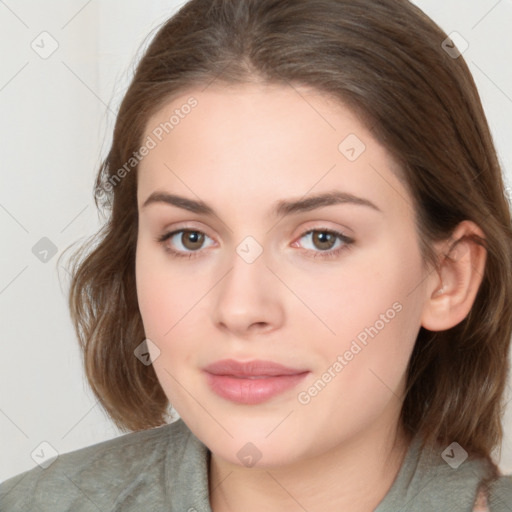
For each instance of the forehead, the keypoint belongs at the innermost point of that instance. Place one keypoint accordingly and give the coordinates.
(260, 143)
(231, 114)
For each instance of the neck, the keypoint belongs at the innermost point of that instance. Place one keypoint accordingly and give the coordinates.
(355, 476)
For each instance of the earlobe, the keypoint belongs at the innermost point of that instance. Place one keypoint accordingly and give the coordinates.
(451, 291)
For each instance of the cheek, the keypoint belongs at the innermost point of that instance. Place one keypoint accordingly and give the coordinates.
(155, 303)
(373, 314)
(164, 301)
(170, 303)
(351, 297)
(164, 294)
(170, 299)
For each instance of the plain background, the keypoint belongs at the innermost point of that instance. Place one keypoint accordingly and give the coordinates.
(56, 118)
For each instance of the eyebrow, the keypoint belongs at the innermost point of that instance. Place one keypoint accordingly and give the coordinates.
(280, 208)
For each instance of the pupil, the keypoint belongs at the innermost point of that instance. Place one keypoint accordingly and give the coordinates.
(193, 238)
(324, 238)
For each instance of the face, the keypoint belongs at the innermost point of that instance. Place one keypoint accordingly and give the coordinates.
(278, 272)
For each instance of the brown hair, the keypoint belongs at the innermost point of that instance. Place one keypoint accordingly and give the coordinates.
(385, 59)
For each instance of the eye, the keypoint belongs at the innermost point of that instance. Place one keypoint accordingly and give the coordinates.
(187, 241)
(325, 241)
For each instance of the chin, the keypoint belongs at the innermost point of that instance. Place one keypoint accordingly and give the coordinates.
(253, 447)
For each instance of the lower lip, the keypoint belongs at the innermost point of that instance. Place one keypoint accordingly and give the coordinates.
(252, 391)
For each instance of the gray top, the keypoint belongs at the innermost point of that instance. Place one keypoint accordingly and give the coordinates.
(166, 469)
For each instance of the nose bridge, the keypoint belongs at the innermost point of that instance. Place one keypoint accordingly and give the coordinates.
(248, 294)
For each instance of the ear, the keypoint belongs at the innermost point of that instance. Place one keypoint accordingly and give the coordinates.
(451, 290)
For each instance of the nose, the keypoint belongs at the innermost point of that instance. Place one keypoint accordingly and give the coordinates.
(248, 300)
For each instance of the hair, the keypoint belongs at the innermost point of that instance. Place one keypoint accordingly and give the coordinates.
(385, 60)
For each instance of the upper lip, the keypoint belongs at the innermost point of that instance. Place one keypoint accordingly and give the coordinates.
(252, 368)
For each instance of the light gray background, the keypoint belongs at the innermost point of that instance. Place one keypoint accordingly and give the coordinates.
(56, 117)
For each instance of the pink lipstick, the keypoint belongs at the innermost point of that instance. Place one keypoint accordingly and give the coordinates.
(251, 382)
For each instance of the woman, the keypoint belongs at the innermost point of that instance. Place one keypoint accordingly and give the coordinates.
(309, 255)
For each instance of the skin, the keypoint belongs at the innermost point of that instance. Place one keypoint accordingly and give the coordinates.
(240, 150)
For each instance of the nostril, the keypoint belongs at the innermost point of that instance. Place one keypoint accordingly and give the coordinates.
(259, 325)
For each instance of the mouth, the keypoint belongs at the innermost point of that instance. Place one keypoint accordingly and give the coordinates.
(251, 382)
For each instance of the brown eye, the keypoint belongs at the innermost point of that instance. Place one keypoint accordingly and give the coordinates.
(184, 242)
(323, 243)
(192, 240)
(324, 240)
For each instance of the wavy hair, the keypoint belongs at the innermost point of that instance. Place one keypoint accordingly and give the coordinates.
(387, 61)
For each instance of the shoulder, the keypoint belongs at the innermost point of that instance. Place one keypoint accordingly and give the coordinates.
(432, 478)
(500, 494)
(96, 476)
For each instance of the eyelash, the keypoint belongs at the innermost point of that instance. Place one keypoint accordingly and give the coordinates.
(332, 253)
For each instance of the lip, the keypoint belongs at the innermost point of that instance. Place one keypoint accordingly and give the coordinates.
(251, 382)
